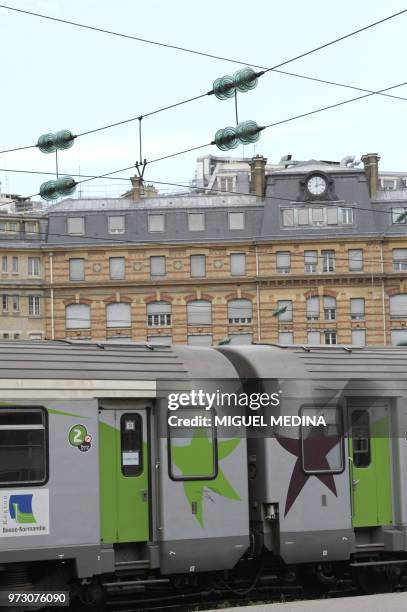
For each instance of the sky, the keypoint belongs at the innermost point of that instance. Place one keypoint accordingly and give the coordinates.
(55, 76)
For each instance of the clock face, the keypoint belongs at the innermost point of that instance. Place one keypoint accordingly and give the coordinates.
(316, 185)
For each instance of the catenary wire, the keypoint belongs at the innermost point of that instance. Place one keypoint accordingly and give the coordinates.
(265, 69)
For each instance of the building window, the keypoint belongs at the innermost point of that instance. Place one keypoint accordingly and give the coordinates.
(16, 303)
(287, 307)
(34, 305)
(200, 339)
(314, 337)
(317, 215)
(313, 308)
(156, 223)
(116, 225)
(131, 438)
(197, 265)
(399, 337)
(398, 215)
(158, 314)
(76, 226)
(159, 340)
(388, 184)
(226, 183)
(286, 338)
(199, 312)
(77, 316)
(283, 262)
(14, 264)
(303, 216)
(16, 335)
(76, 269)
(357, 309)
(328, 261)
(346, 216)
(355, 258)
(398, 306)
(237, 264)
(4, 265)
(359, 337)
(241, 338)
(23, 455)
(118, 314)
(11, 227)
(310, 261)
(117, 268)
(330, 337)
(332, 216)
(33, 266)
(196, 222)
(240, 311)
(399, 260)
(314, 462)
(329, 308)
(236, 221)
(31, 227)
(4, 300)
(288, 217)
(157, 265)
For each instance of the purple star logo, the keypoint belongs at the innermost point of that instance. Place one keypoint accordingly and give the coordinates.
(316, 450)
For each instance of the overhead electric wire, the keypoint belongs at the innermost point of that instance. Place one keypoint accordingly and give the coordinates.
(264, 69)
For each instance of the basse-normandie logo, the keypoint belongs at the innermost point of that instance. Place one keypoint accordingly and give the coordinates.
(20, 508)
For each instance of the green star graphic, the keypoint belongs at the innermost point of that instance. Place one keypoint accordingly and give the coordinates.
(197, 458)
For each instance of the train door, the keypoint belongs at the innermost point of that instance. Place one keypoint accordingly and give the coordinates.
(370, 466)
(124, 482)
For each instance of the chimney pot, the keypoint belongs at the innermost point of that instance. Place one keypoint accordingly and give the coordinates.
(371, 164)
(258, 176)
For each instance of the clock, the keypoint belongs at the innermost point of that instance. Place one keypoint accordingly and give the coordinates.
(316, 185)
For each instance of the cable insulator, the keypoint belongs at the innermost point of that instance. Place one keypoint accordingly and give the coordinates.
(66, 185)
(46, 143)
(49, 191)
(248, 132)
(226, 139)
(63, 139)
(224, 87)
(245, 79)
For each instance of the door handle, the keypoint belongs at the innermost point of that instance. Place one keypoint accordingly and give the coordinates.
(355, 482)
(144, 495)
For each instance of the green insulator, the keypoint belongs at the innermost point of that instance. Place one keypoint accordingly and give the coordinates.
(248, 132)
(63, 139)
(46, 143)
(245, 79)
(224, 87)
(65, 185)
(49, 191)
(226, 139)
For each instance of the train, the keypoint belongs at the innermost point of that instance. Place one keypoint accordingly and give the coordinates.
(109, 488)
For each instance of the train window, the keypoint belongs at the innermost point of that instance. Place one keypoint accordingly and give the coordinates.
(192, 451)
(23, 447)
(131, 427)
(360, 423)
(322, 445)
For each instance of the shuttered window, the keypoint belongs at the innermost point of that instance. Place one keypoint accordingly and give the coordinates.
(77, 316)
(237, 264)
(355, 260)
(199, 312)
(236, 221)
(116, 225)
(200, 339)
(118, 314)
(286, 338)
(76, 269)
(328, 261)
(117, 267)
(198, 265)
(240, 311)
(357, 308)
(303, 216)
(241, 338)
(76, 225)
(156, 223)
(314, 337)
(283, 262)
(332, 216)
(159, 340)
(287, 315)
(157, 265)
(310, 261)
(313, 308)
(359, 337)
(196, 222)
(288, 217)
(398, 306)
(399, 259)
(158, 314)
(329, 308)
(398, 337)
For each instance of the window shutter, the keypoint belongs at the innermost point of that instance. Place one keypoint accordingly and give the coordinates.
(236, 220)
(240, 309)
(398, 336)
(283, 260)
(286, 338)
(156, 223)
(198, 265)
(317, 215)
(117, 267)
(314, 337)
(303, 216)
(76, 225)
(359, 337)
(311, 257)
(77, 316)
(355, 259)
(158, 308)
(196, 222)
(288, 217)
(238, 264)
(200, 339)
(398, 306)
(329, 302)
(313, 307)
(199, 312)
(159, 340)
(241, 338)
(357, 308)
(118, 315)
(157, 265)
(332, 216)
(76, 269)
(400, 254)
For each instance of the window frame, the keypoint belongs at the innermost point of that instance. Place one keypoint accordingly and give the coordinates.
(43, 482)
(150, 223)
(196, 214)
(113, 231)
(32, 263)
(339, 410)
(36, 300)
(140, 470)
(230, 216)
(80, 233)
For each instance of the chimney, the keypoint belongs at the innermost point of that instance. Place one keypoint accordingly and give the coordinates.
(371, 164)
(137, 187)
(258, 176)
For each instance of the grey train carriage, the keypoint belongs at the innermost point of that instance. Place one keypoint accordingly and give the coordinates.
(98, 493)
